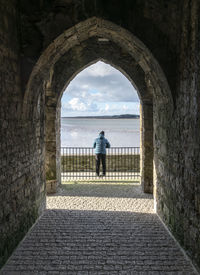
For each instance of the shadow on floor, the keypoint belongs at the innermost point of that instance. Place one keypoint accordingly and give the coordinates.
(109, 190)
(97, 242)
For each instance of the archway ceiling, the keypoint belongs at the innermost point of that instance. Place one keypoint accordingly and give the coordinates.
(95, 27)
(153, 22)
(90, 51)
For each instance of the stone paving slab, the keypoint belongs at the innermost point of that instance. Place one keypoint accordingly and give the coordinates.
(111, 238)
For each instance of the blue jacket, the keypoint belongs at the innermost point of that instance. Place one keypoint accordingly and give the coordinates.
(100, 144)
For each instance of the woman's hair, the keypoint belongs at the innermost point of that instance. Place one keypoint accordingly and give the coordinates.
(102, 133)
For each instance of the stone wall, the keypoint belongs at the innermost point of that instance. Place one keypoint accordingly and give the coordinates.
(154, 22)
(146, 146)
(178, 191)
(170, 31)
(52, 141)
(21, 161)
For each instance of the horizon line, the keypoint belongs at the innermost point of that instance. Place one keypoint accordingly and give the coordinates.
(122, 115)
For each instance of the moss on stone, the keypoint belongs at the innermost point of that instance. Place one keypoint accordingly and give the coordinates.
(51, 174)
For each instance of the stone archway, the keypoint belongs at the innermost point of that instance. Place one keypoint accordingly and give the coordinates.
(169, 30)
(154, 94)
(78, 58)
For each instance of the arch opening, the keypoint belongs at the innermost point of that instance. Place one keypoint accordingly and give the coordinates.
(76, 48)
(61, 70)
(99, 98)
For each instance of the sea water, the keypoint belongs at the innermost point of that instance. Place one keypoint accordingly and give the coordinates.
(81, 132)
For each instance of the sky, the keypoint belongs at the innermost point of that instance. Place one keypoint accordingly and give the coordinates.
(99, 90)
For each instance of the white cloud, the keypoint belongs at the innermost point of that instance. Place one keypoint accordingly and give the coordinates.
(125, 107)
(73, 133)
(108, 83)
(85, 86)
(84, 94)
(77, 105)
(107, 107)
(100, 89)
(99, 69)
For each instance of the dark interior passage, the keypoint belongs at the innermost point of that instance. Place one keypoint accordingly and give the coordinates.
(44, 44)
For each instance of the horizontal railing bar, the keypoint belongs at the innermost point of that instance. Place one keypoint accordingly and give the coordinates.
(79, 163)
(93, 148)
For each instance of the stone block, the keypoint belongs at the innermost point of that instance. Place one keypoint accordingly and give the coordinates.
(51, 186)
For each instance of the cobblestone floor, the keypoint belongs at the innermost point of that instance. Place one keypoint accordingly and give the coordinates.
(98, 228)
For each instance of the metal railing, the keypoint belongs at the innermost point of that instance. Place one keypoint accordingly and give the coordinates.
(78, 163)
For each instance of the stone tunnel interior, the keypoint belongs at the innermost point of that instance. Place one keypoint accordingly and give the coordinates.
(44, 44)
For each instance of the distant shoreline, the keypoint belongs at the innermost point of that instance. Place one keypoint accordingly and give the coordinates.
(108, 117)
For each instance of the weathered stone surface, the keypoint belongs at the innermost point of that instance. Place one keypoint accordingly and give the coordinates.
(162, 40)
(21, 159)
(51, 186)
(93, 228)
(146, 146)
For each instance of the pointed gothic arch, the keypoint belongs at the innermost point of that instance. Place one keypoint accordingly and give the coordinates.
(73, 50)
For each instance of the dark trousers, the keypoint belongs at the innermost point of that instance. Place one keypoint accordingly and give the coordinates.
(100, 158)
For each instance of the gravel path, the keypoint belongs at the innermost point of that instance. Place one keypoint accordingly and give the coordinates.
(98, 228)
(102, 196)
